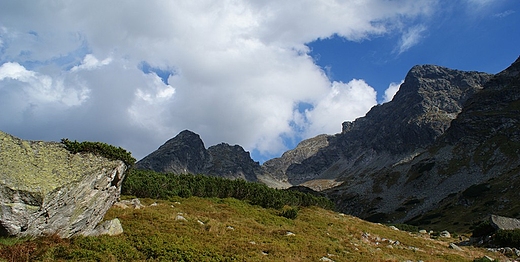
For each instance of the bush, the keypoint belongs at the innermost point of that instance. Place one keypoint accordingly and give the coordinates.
(406, 227)
(508, 238)
(101, 149)
(483, 229)
(290, 213)
(150, 184)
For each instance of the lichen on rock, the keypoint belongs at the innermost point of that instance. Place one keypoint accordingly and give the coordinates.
(44, 189)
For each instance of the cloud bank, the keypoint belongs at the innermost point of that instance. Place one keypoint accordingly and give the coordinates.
(233, 71)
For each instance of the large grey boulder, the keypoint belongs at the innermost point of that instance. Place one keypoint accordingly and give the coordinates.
(44, 189)
(504, 223)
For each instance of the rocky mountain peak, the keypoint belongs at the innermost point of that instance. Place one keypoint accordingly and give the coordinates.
(185, 153)
(277, 167)
(422, 110)
(472, 161)
(232, 162)
(436, 87)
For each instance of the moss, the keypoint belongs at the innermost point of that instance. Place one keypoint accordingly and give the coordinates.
(43, 166)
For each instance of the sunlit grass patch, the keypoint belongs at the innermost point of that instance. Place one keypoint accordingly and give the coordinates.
(215, 229)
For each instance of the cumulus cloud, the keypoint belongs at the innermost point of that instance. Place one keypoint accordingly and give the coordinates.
(344, 101)
(239, 69)
(38, 88)
(391, 91)
(91, 62)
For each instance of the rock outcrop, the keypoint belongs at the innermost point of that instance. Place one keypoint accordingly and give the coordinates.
(504, 223)
(277, 167)
(46, 190)
(473, 165)
(449, 140)
(423, 108)
(186, 153)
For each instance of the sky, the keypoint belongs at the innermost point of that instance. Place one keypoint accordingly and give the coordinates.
(260, 74)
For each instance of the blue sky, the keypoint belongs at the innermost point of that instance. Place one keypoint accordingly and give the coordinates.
(476, 39)
(261, 74)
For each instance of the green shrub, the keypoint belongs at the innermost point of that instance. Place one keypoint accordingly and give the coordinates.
(508, 238)
(406, 227)
(101, 149)
(482, 259)
(482, 229)
(150, 184)
(290, 213)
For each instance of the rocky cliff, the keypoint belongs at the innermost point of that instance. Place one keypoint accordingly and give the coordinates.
(448, 140)
(468, 170)
(186, 153)
(46, 190)
(277, 167)
(423, 108)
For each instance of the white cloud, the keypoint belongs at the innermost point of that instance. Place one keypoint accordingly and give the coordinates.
(15, 71)
(391, 91)
(241, 68)
(91, 62)
(504, 14)
(345, 101)
(38, 88)
(410, 38)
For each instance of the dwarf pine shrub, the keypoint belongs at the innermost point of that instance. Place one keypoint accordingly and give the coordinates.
(101, 149)
(150, 184)
(290, 213)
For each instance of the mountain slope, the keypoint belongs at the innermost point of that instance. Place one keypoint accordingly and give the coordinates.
(186, 153)
(428, 100)
(478, 153)
(277, 167)
(198, 229)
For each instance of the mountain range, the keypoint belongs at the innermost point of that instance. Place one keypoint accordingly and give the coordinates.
(446, 146)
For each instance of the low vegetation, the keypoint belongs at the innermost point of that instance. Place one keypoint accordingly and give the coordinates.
(201, 218)
(150, 184)
(507, 238)
(226, 229)
(99, 148)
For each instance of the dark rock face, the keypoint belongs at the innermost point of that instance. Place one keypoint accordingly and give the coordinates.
(232, 162)
(472, 159)
(428, 100)
(186, 153)
(277, 167)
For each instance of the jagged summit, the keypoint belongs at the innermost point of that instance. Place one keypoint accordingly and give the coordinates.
(428, 100)
(232, 162)
(469, 168)
(444, 133)
(186, 153)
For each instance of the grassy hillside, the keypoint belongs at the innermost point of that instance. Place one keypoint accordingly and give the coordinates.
(232, 230)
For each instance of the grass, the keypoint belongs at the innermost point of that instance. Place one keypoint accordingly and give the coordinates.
(232, 230)
(462, 211)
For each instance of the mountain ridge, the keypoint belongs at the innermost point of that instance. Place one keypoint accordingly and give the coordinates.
(186, 153)
(407, 155)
